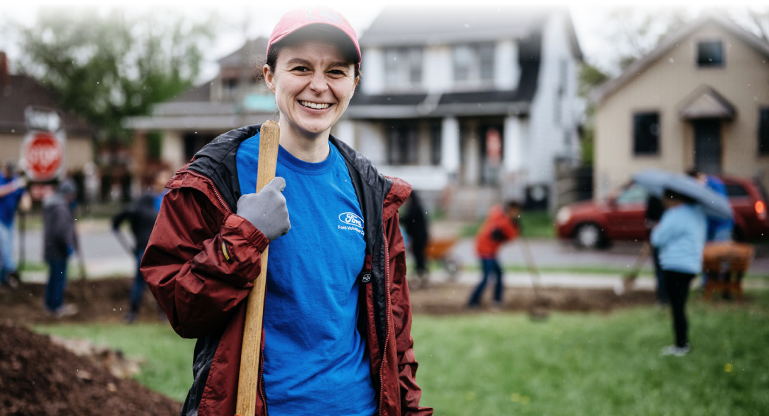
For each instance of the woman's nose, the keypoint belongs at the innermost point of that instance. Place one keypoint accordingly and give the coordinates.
(318, 82)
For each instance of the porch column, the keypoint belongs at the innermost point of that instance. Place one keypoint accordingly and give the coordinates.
(450, 145)
(513, 147)
(514, 160)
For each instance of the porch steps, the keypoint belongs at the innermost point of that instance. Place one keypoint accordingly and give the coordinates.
(472, 202)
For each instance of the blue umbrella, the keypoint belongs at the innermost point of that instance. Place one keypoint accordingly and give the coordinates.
(656, 181)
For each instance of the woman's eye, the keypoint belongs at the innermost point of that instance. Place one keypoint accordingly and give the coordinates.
(300, 69)
(338, 72)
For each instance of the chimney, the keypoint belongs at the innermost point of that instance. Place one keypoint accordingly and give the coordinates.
(5, 76)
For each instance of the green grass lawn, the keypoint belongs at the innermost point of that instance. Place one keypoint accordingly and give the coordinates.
(571, 364)
(534, 224)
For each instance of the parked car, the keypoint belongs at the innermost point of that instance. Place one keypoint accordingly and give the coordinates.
(621, 216)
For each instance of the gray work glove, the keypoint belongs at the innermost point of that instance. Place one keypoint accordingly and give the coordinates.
(267, 209)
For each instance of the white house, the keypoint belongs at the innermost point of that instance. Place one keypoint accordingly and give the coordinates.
(480, 100)
(469, 104)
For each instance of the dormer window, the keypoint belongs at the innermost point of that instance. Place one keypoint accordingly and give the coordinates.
(710, 54)
(473, 63)
(403, 67)
(229, 87)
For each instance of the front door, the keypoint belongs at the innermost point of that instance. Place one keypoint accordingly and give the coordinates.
(707, 145)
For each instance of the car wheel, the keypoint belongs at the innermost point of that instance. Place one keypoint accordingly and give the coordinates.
(588, 235)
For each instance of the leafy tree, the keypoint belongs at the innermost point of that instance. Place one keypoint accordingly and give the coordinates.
(589, 77)
(106, 66)
(636, 31)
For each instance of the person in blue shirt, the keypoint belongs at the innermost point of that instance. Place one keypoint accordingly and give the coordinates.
(680, 239)
(11, 190)
(719, 229)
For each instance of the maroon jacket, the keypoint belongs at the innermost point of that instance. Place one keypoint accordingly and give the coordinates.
(202, 292)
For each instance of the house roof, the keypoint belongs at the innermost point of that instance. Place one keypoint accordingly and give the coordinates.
(200, 93)
(601, 92)
(247, 56)
(23, 91)
(455, 103)
(421, 25)
(707, 103)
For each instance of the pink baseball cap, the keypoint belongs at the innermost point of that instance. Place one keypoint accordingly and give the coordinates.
(312, 15)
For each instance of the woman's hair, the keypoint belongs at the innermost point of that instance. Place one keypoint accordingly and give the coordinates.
(669, 194)
(318, 33)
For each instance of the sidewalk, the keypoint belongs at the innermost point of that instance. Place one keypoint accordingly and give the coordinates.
(124, 267)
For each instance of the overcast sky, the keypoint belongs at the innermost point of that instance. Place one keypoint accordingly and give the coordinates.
(254, 18)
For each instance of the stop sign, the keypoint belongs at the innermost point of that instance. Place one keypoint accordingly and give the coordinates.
(42, 155)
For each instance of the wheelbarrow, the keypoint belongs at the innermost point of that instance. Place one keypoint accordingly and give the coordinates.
(439, 249)
(724, 265)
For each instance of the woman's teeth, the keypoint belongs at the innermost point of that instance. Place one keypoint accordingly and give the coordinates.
(317, 106)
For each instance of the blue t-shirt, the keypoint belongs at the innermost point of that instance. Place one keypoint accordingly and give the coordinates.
(8, 203)
(315, 359)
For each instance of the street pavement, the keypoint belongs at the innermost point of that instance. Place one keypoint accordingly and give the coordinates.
(105, 257)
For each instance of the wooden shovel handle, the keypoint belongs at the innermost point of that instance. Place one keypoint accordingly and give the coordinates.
(269, 140)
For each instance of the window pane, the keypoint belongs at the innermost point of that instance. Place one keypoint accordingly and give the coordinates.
(415, 66)
(710, 53)
(463, 58)
(402, 144)
(646, 133)
(633, 195)
(435, 142)
(736, 191)
(763, 131)
(486, 55)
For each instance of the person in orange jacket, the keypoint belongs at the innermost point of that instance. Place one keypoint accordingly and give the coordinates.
(501, 225)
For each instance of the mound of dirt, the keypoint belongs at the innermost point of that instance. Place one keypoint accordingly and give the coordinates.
(38, 377)
(103, 300)
(448, 298)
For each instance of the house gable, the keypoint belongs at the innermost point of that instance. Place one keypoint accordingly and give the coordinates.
(671, 84)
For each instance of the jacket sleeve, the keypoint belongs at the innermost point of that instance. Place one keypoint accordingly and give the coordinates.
(200, 263)
(63, 228)
(665, 230)
(401, 311)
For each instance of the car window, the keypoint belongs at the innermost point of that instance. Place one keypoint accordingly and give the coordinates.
(632, 195)
(736, 191)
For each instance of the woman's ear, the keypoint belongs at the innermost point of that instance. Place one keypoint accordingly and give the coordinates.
(355, 86)
(269, 77)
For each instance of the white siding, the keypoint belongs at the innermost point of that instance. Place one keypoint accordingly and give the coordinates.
(372, 65)
(437, 75)
(548, 124)
(506, 69)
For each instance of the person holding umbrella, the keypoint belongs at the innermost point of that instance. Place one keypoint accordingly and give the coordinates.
(680, 239)
(337, 315)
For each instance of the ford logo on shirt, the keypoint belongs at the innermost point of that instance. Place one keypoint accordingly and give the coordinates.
(348, 218)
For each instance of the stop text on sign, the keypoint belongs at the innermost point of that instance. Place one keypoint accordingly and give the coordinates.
(43, 154)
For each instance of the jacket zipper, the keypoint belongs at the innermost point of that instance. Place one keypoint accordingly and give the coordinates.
(216, 192)
(262, 393)
(387, 322)
(261, 389)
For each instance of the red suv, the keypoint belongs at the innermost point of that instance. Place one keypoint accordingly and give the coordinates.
(621, 216)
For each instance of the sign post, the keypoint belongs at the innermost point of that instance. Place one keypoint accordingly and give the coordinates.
(42, 158)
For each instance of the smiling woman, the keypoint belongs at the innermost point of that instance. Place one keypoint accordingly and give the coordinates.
(337, 315)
